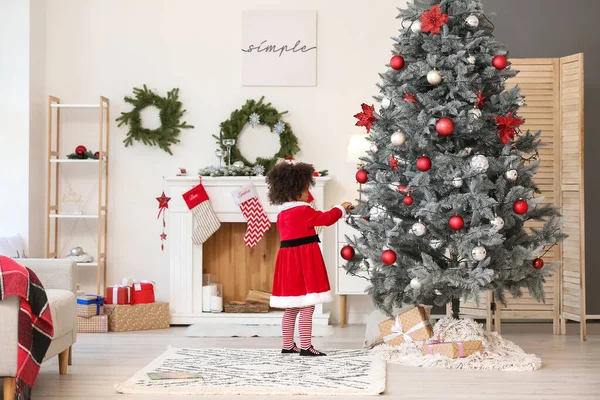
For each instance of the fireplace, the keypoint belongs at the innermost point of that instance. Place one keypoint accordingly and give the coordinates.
(224, 255)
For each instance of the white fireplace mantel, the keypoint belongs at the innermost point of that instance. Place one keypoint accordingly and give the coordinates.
(185, 258)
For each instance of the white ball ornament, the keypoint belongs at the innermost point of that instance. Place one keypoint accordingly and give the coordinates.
(480, 163)
(479, 253)
(512, 175)
(374, 148)
(457, 182)
(418, 229)
(416, 26)
(497, 223)
(238, 164)
(415, 284)
(386, 103)
(475, 113)
(471, 59)
(434, 77)
(472, 21)
(398, 139)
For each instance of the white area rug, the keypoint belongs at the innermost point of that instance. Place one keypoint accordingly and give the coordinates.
(498, 353)
(239, 330)
(262, 372)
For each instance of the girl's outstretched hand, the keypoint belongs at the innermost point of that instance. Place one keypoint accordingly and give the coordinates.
(347, 206)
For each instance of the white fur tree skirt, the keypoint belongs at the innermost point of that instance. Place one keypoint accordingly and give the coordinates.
(498, 353)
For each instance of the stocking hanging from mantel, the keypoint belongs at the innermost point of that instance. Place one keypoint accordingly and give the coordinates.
(205, 220)
(258, 221)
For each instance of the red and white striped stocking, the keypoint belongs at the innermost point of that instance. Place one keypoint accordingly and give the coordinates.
(257, 219)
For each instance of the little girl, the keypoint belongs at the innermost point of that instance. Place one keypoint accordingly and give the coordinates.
(300, 279)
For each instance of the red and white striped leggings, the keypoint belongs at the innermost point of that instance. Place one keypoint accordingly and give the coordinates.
(304, 326)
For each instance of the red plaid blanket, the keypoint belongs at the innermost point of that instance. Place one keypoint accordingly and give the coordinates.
(35, 322)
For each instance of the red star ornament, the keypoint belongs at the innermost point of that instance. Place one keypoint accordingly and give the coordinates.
(507, 126)
(366, 117)
(480, 99)
(163, 236)
(163, 203)
(409, 97)
(393, 163)
(433, 20)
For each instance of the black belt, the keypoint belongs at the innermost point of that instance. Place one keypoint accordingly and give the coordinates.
(300, 241)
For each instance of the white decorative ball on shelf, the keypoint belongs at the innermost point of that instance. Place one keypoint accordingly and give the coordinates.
(472, 21)
(419, 229)
(386, 103)
(76, 251)
(471, 59)
(475, 113)
(512, 175)
(374, 148)
(457, 182)
(480, 163)
(415, 284)
(416, 26)
(434, 77)
(238, 164)
(398, 139)
(479, 253)
(497, 223)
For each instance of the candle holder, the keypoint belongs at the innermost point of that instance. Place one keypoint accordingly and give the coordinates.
(208, 289)
(220, 154)
(228, 143)
(216, 299)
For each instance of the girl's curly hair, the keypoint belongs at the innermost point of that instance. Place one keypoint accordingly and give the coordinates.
(287, 182)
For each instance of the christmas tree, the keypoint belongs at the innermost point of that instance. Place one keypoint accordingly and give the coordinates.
(448, 191)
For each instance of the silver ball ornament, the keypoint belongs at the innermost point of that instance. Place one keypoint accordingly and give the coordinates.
(472, 21)
(419, 229)
(416, 26)
(471, 59)
(415, 284)
(479, 253)
(457, 182)
(475, 113)
(497, 223)
(512, 175)
(480, 163)
(374, 148)
(398, 139)
(386, 103)
(434, 77)
(76, 251)
(238, 164)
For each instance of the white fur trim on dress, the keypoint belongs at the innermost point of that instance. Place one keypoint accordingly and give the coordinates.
(293, 204)
(309, 299)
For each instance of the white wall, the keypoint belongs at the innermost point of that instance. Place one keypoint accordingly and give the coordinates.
(106, 48)
(14, 118)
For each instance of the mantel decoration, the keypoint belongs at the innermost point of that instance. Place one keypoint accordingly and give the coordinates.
(171, 111)
(82, 153)
(256, 113)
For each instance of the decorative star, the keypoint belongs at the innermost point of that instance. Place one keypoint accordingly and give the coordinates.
(254, 119)
(507, 126)
(433, 20)
(409, 97)
(366, 117)
(163, 203)
(393, 163)
(480, 99)
(279, 127)
(163, 236)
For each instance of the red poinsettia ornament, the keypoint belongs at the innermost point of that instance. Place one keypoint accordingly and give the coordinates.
(480, 99)
(393, 163)
(433, 20)
(507, 126)
(409, 97)
(366, 117)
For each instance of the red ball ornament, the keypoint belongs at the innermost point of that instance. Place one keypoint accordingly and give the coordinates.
(457, 223)
(97, 154)
(347, 253)
(80, 150)
(397, 62)
(408, 200)
(538, 263)
(445, 127)
(500, 62)
(388, 257)
(424, 163)
(402, 189)
(520, 207)
(362, 176)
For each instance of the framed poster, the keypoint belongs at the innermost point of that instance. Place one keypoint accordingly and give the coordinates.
(279, 48)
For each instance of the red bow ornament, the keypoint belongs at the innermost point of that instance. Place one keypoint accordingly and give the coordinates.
(507, 126)
(366, 118)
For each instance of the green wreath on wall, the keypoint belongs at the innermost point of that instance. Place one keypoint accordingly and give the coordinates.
(170, 112)
(258, 113)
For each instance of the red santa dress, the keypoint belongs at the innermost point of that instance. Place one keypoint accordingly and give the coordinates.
(300, 273)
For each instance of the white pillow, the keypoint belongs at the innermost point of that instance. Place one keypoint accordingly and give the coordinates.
(12, 247)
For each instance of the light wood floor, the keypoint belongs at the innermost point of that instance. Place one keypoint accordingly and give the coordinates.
(571, 369)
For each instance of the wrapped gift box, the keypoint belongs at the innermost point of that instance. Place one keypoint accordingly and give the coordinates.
(95, 324)
(142, 292)
(118, 294)
(138, 317)
(452, 349)
(89, 305)
(412, 326)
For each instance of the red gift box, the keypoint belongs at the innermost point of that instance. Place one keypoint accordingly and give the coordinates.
(142, 292)
(118, 294)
